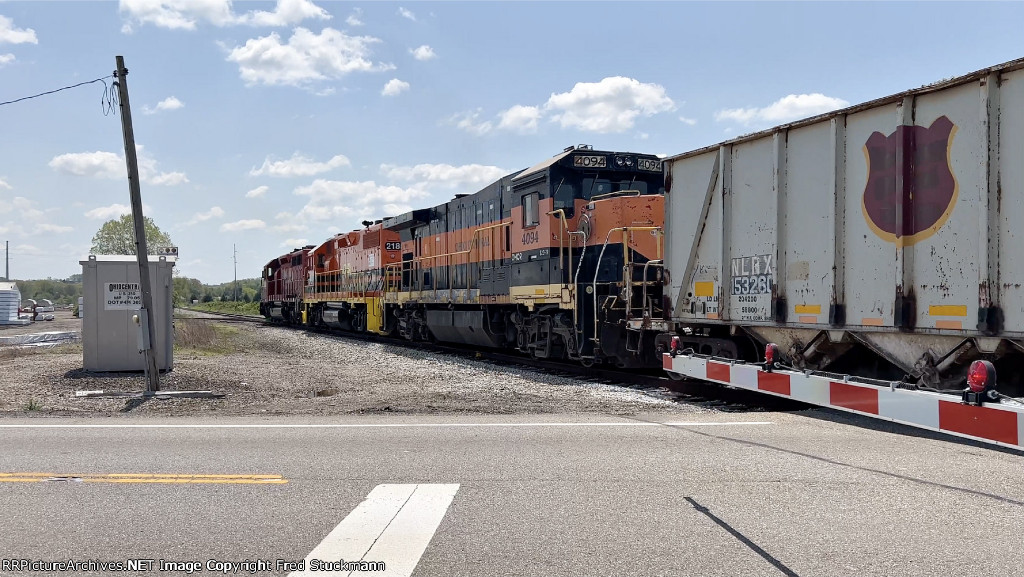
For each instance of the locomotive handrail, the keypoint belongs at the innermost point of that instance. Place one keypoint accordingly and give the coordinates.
(617, 193)
(468, 251)
(660, 263)
(625, 256)
(570, 280)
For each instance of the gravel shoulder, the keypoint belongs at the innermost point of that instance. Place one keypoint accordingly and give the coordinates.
(266, 370)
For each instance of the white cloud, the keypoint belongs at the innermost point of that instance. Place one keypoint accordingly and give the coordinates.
(473, 176)
(286, 222)
(423, 53)
(6, 59)
(101, 164)
(286, 13)
(305, 58)
(9, 34)
(109, 212)
(405, 13)
(394, 87)
(50, 228)
(688, 121)
(177, 14)
(164, 178)
(785, 109)
(330, 200)
(298, 165)
(27, 220)
(186, 14)
(169, 103)
(3, 184)
(468, 121)
(97, 164)
(294, 242)
(257, 192)
(521, 119)
(240, 225)
(214, 212)
(353, 18)
(611, 105)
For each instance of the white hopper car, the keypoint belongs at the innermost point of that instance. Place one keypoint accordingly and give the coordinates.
(881, 241)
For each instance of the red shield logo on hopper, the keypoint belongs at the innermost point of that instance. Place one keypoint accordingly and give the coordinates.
(905, 202)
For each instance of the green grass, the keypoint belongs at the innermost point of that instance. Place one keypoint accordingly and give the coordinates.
(238, 308)
(203, 338)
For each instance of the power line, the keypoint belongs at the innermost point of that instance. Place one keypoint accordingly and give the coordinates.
(107, 101)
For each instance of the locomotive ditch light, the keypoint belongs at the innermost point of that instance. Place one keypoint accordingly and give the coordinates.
(981, 384)
(673, 348)
(771, 356)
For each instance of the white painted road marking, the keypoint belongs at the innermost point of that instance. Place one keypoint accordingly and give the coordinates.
(372, 425)
(394, 525)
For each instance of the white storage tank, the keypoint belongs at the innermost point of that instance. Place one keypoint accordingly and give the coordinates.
(10, 298)
(112, 296)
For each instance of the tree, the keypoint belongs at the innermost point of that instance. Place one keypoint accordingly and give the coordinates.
(118, 237)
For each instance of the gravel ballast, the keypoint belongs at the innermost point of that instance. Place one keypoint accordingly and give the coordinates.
(268, 370)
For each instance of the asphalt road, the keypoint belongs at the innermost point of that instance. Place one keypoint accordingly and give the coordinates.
(807, 494)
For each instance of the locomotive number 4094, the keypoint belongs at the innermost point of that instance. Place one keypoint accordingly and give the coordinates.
(648, 164)
(531, 237)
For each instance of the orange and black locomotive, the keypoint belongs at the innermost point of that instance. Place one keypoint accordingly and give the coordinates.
(559, 261)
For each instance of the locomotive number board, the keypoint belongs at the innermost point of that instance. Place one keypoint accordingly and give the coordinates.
(583, 161)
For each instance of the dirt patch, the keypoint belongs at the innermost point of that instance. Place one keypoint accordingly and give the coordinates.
(265, 370)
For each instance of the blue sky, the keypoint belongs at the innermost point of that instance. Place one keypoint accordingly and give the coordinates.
(274, 124)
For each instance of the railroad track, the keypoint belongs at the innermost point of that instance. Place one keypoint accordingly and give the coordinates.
(688, 391)
(198, 315)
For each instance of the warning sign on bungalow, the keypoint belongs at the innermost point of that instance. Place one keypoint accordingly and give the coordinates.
(122, 296)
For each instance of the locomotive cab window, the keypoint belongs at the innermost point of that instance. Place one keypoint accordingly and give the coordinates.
(593, 187)
(563, 198)
(531, 209)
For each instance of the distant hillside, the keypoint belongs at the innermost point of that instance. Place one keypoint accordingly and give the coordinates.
(67, 291)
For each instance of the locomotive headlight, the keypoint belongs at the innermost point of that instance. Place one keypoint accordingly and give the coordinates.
(619, 161)
(629, 161)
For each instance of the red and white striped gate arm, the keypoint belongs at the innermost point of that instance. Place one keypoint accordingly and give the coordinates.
(1001, 424)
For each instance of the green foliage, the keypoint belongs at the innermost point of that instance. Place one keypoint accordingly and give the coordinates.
(238, 308)
(207, 298)
(59, 291)
(118, 237)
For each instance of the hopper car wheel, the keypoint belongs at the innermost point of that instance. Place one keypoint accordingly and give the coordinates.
(587, 362)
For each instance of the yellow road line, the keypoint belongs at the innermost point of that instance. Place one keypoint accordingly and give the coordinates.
(171, 478)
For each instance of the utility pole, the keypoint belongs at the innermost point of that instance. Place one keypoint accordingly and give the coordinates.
(234, 250)
(132, 160)
(7, 260)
